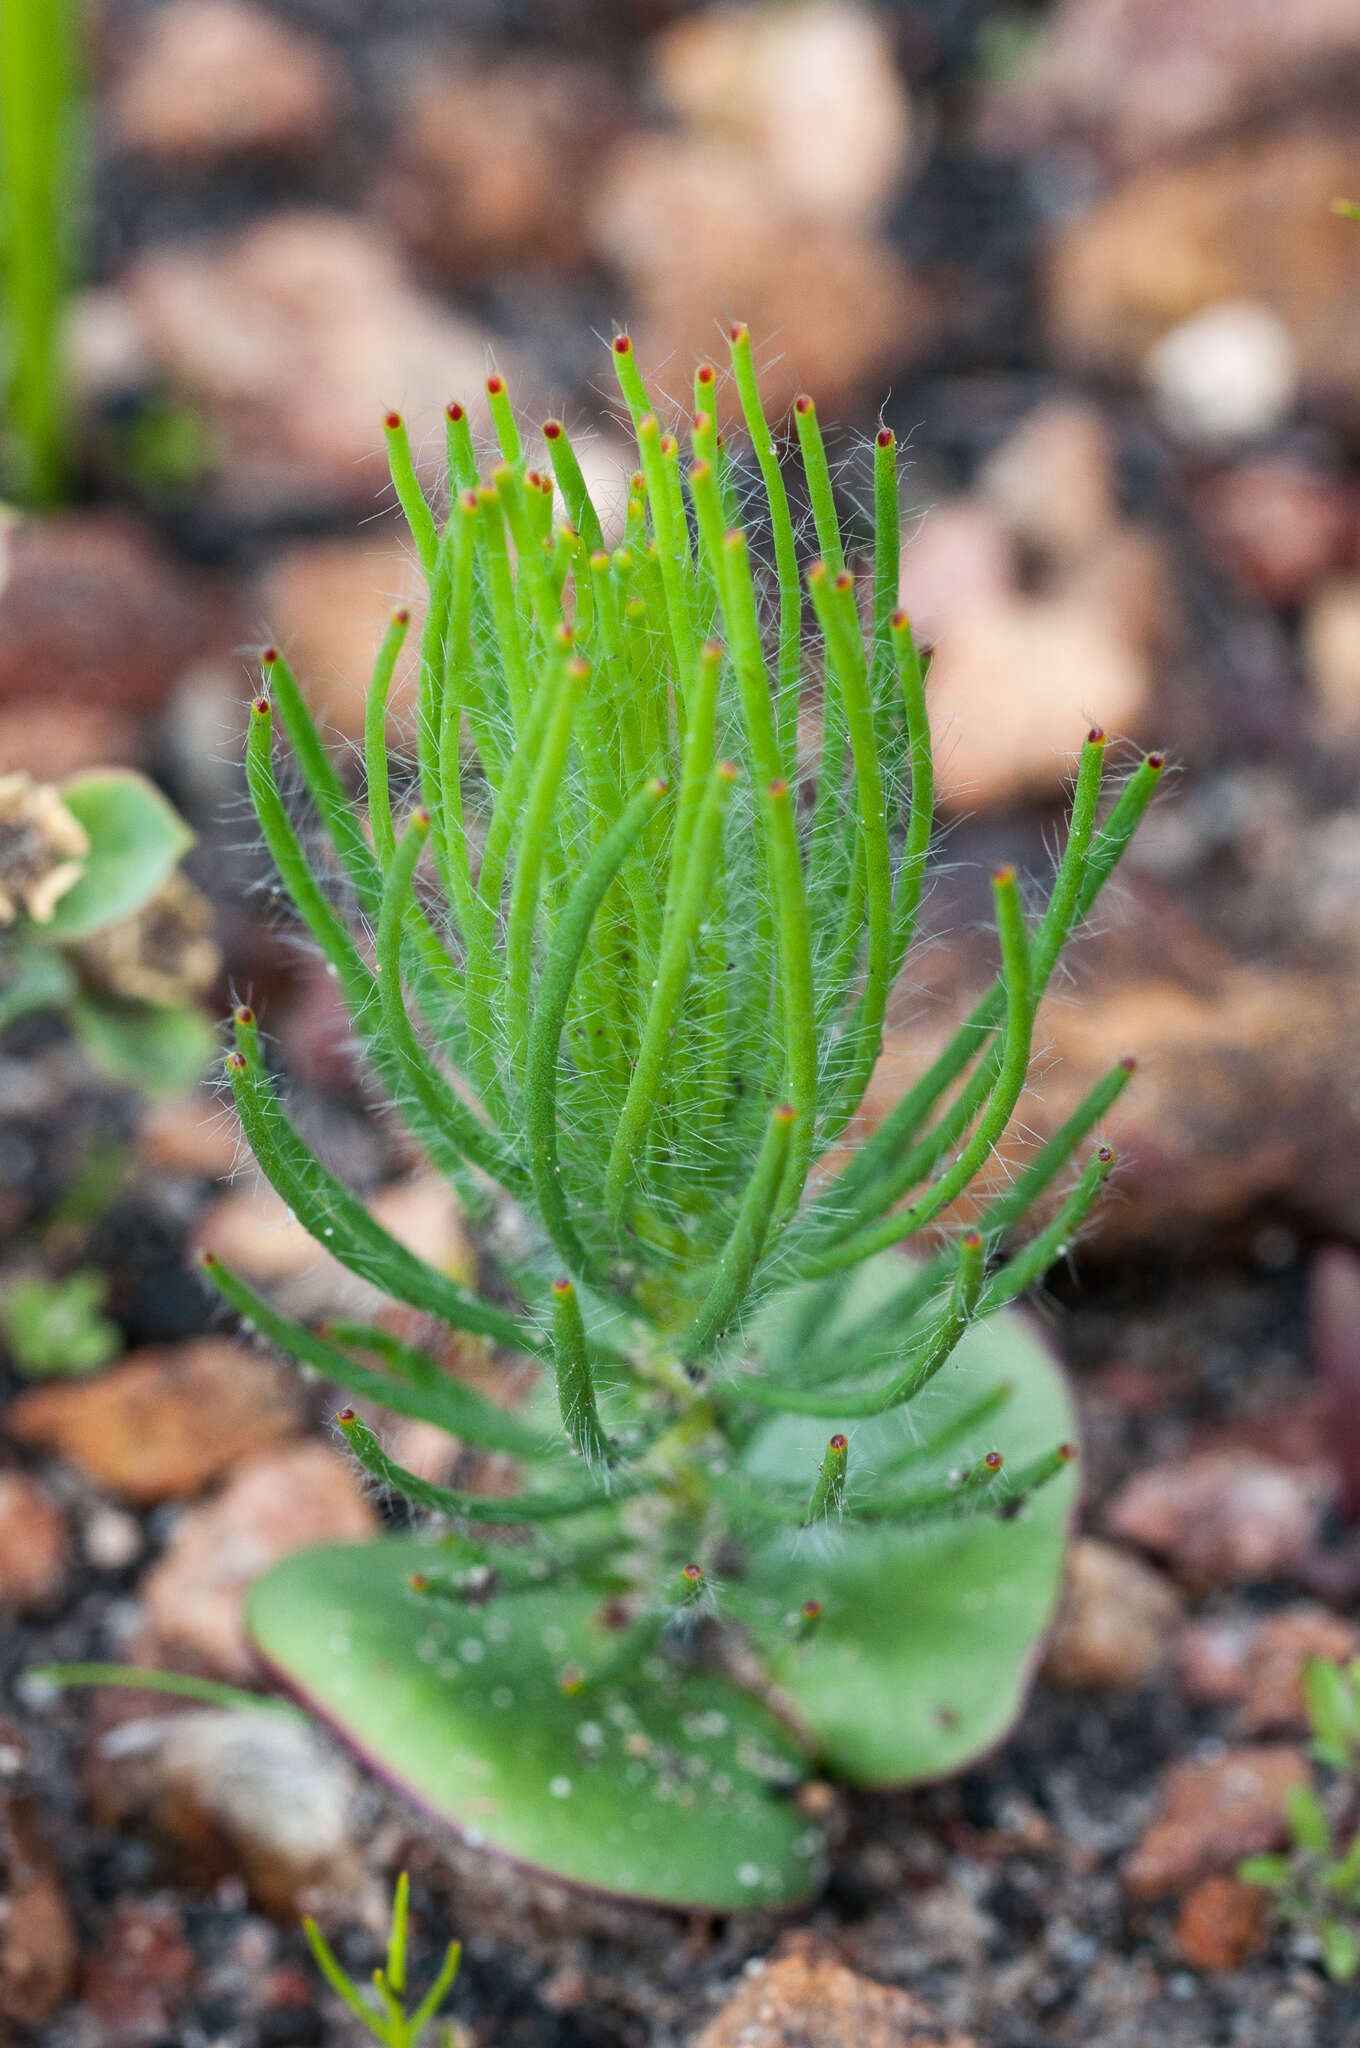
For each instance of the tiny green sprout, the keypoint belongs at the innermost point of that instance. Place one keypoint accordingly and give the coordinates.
(55, 1327)
(621, 963)
(383, 2011)
(1316, 1884)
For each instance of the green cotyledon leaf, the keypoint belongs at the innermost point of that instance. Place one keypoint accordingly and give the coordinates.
(669, 1785)
(926, 1639)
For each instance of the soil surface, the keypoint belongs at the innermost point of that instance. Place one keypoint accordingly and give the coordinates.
(1207, 582)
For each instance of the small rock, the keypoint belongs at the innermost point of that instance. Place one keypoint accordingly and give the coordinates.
(296, 335)
(956, 560)
(806, 1998)
(259, 1794)
(810, 89)
(1242, 1102)
(1013, 689)
(111, 1539)
(328, 603)
(1129, 578)
(1226, 375)
(492, 163)
(137, 1981)
(1115, 1622)
(832, 309)
(1211, 1658)
(1249, 220)
(1281, 525)
(1222, 1517)
(52, 741)
(1134, 79)
(217, 78)
(251, 1230)
(34, 1545)
(92, 613)
(1273, 1701)
(1331, 652)
(167, 1420)
(38, 1948)
(1213, 1814)
(1221, 1922)
(1051, 482)
(190, 1135)
(277, 1503)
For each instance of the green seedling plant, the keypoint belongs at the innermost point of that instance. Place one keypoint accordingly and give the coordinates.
(1316, 1884)
(57, 1328)
(78, 865)
(383, 2010)
(618, 948)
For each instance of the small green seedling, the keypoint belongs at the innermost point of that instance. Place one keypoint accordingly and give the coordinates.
(57, 1327)
(1317, 1883)
(97, 922)
(384, 2011)
(621, 960)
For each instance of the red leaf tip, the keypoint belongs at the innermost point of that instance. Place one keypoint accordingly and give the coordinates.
(838, 1443)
